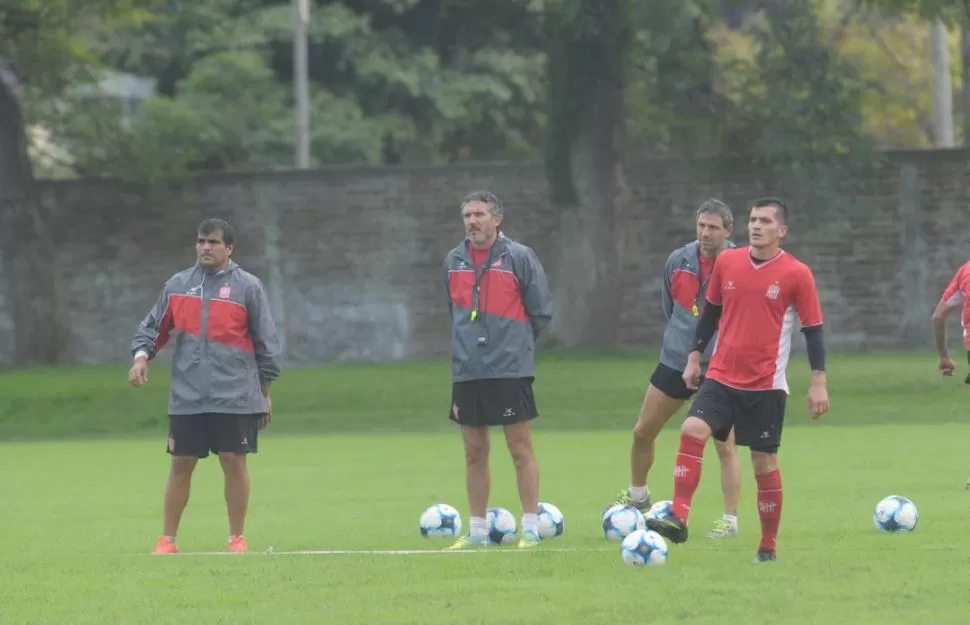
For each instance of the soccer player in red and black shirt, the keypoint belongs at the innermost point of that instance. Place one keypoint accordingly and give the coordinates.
(753, 299)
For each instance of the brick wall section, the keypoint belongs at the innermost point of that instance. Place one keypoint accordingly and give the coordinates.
(352, 256)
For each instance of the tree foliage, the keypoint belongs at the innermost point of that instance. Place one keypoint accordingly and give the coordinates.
(42, 42)
(408, 81)
(795, 97)
(390, 81)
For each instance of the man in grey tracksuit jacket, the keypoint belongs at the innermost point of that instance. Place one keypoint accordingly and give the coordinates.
(499, 302)
(686, 273)
(227, 354)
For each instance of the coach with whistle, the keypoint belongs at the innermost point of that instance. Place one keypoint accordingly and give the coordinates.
(500, 302)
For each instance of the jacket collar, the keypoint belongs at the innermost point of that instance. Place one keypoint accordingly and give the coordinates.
(232, 266)
(500, 246)
(694, 247)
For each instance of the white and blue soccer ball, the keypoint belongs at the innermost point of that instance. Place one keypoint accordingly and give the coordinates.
(621, 520)
(440, 521)
(643, 547)
(551, 521)
(501, 526)
(895, 514)
(659, 510)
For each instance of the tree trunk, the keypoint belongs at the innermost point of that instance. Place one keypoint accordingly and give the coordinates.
(42, 333)
(587, 178)
(587, 291)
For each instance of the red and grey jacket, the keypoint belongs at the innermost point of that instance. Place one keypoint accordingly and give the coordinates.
(226, 342)
(683, 298)
(497, 312)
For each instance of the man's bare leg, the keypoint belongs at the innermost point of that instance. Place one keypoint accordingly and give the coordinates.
(477, 479)
(236, 490)
(656, 410)
(727, 452)
(177, 492)
(518, 437)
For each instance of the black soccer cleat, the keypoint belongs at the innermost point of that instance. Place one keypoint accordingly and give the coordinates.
(670, 527)
(764, 555)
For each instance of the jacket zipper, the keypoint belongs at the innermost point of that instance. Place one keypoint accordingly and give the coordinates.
(204, 331)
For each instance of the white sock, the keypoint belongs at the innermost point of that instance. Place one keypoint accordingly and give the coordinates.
(733, 520)
(530, 522)
(478, 528)
(639, 493)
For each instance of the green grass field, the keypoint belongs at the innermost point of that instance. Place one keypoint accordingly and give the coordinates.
(356, 453)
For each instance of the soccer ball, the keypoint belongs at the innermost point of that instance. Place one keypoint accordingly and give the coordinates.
(659, 510)
(501, 526)
(551, 521)
(440, 521)
(619, 521)
(643, 547)
(895, 514)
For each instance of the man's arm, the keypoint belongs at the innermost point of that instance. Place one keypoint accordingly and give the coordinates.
(706, 326)
(808, 306)
(154, 330)
(267, 344)
(536, 295)
(815, 344)
(940, 316)
(951, 298)
(666, 293)
(447, 273)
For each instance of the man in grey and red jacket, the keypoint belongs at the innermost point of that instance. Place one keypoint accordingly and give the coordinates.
(686, 273)
(500, 302)
(227, 354)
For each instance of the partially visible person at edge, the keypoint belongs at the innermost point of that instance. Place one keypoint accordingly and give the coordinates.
(686, 275)
(956, 295)
(227, 355)
(500, 302)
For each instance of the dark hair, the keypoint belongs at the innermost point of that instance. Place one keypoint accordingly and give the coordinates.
(218, 225)
(780, 206)
(715, 206)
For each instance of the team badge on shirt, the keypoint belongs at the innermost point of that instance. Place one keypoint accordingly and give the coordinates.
(225, 292)
(773, 291)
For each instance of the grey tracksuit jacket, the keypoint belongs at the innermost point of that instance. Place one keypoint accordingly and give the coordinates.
(514, 305)
(226, 342)
(683, 299)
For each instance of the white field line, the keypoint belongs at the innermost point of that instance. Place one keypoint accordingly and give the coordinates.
(396, 552)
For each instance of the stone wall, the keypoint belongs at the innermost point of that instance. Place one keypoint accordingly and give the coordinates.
(352, 256)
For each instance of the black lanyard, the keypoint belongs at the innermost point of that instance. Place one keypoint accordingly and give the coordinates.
(476, 288)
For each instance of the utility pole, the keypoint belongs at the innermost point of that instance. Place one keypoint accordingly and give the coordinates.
(942, 88)
(301, 91)
(965, 62)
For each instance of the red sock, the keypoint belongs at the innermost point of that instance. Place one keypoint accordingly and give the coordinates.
(769, 507)
(687, 475)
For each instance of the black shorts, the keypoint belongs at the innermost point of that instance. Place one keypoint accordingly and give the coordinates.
(756, 416)
(484, 403)
(198, 434)
(670, 382)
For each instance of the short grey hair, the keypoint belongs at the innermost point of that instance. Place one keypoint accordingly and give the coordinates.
(715, 206)
(485, 197)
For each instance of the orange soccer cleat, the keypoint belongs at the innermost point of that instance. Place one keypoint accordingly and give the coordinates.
(166, 545)
(237, 544)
